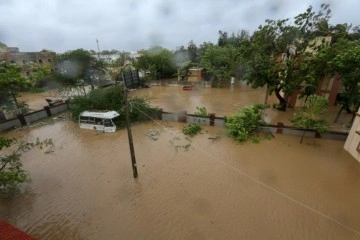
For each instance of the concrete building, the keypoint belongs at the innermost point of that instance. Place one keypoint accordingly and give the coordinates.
(352, 144)
(108, 58)
(13, 55)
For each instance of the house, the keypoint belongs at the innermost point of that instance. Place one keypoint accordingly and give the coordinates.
(329, 87)
(23, 59)
(194, 75)
(352, 144)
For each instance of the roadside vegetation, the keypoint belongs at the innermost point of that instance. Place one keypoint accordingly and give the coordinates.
(282, 55)
(242, 125)
(112, 98)
(192, 129)
(312, 115)
(12, 173)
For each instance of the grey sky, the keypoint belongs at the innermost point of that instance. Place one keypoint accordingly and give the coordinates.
(130, 25)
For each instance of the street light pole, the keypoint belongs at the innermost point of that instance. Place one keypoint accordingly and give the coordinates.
(131, 144)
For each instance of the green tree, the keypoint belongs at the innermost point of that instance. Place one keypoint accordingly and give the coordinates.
(277, 51)
(346, 63)
(268, 61)
(312, 115)
(234, 39)
(12, 80)
(11, 167)
(112, 98)
(158, 61)
(220, 62)
(193, 52)
(74, 68)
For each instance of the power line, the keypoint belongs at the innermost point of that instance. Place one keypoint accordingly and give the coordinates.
(256, 180)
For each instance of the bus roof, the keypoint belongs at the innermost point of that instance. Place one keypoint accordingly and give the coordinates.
(100, 114)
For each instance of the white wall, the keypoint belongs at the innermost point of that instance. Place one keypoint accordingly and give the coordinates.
(353, 140)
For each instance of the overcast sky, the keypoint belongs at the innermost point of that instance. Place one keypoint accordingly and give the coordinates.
(130, 25)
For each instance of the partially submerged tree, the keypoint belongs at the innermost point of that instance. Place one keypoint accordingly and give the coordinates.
(278, 52)
(12, 81)
(312, 115)
(11, 168)
(346, 63)
(269, 63)
(220, 62)
(242, 125)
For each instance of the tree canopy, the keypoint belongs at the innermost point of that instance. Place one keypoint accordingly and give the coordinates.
(158, 61)
(12, 80)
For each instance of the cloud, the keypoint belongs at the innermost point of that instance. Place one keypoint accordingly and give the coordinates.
(130, 25)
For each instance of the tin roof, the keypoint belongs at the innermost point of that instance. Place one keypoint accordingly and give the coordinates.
(8, 232)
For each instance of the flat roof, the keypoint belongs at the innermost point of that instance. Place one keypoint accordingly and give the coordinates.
(100, 114)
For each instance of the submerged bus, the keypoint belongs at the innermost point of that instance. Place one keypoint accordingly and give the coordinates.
(98, 120)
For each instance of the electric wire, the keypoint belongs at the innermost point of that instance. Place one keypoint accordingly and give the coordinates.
(256, 180)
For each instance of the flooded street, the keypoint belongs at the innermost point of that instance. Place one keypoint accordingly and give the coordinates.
(226, 101)
(208, 187)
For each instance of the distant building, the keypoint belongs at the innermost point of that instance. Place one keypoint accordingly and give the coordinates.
(13, 55)
(352, 144)
(108, 58)
(195, 74)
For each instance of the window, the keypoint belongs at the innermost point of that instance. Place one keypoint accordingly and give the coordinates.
(88, 120)
(108, 123)
(49, 60)
(40, 61)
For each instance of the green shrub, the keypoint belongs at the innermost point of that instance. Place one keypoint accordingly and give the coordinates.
(112, 99)
(201, 112)
(243, 124)
(192, 129)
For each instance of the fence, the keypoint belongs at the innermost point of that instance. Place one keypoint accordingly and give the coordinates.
(24, 119)
(280, 128)
(182, 116)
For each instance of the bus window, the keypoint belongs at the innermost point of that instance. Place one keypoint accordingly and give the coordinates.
(98, 121)
(108, 123)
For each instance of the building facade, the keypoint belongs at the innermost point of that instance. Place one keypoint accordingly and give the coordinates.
(24, 59)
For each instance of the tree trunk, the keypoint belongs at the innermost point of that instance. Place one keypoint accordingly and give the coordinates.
(14, 97)
(266, 94)
(282, 101)
(338, 114)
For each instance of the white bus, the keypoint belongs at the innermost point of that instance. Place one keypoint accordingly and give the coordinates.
(98, 120)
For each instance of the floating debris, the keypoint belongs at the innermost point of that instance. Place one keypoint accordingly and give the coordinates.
(153, 134)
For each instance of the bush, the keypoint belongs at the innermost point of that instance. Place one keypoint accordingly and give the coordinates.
(243, 124)
(112, 99)
(201, 112)
(192, 129)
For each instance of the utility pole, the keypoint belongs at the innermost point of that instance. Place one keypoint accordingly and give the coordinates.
(97, 43)
(131, 145)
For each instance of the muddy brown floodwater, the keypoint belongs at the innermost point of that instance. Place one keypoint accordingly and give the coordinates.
(208, 187)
